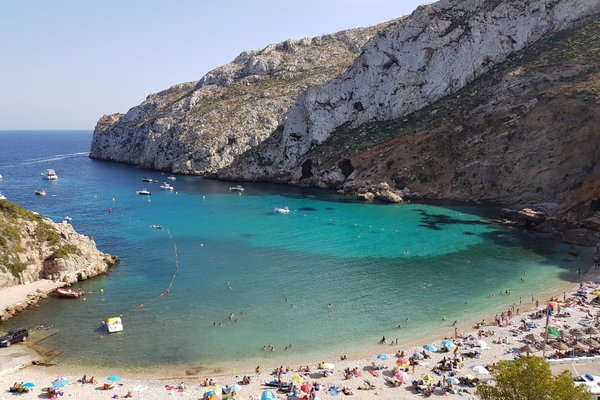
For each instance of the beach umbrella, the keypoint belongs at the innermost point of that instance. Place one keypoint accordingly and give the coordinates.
(576, 332)
(592, 331)
(298, 379)
(430, 347)
(29, 385)
(306, 388)
(60, 383)
(235, 388)
(402, 362)
(448, 343)
(383, 356)
(266, 395)
(530, 336)
(427, 378)
(402, 376)
(566, 334)
(114, 378)
(527, 349)
(562, 346)
(453, 380)
(480, 369)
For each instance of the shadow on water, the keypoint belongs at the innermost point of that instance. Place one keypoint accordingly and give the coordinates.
(436, 221)
(542, 245)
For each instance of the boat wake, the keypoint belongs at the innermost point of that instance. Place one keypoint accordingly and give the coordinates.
(57, 157)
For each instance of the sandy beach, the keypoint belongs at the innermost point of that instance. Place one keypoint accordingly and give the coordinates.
(491, 344)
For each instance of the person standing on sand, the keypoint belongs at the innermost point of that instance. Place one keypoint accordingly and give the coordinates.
(257, 370)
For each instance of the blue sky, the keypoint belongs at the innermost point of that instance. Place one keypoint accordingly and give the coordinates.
(64, 63)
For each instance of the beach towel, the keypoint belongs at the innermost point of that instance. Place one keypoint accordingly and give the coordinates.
(181, 390)
(373, 372)
(169, 387)
(140, 388)
(333, 392)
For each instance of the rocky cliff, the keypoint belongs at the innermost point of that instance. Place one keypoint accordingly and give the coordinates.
(33, 247)
(464, 99)
(201, 127)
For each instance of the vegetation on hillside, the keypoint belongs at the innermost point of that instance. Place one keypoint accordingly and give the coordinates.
(580, 45)
(530, 378)
(14, 241)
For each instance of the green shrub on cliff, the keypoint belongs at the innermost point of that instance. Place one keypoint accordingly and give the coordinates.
(13, 211)
(45, 232)
(63, 251)
(12, 264)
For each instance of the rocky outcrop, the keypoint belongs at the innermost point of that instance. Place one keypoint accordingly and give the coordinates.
(435, 52)
(480, 100)
(33, 248)
(201, 127)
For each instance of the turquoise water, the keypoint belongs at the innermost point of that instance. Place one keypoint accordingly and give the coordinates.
(377, 265)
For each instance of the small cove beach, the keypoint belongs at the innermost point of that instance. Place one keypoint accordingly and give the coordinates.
(403, 271)
(488, 345)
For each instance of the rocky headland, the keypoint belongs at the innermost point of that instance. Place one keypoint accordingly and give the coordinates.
(475, 100)
(42, 255)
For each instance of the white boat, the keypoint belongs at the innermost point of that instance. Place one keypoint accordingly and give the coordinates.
(237, 188)
(284, 210)
(143, 192)
(50, 174)
(166, 186)
(148, 180)
(0, 176)
(2, 197)
(172, 178)
(40, 192)
(114, 324)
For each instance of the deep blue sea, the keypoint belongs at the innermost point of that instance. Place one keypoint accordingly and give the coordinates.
(378, 265)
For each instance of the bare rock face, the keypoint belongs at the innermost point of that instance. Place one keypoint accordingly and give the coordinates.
(410, 64)
(201, 127)
(36, 248)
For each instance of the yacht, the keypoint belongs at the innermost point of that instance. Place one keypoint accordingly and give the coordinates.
(50, 174)
(143, 192)
(237, 188)
(166, 186)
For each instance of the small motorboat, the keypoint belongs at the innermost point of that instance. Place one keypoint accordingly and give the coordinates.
(69, 293)
(148, 180)
(171, 177)
(50, 174)
(156, 227)
(40, 192)
(284, 210)
(237, 188)
(143, 192)
(114, 324)
(166, 186)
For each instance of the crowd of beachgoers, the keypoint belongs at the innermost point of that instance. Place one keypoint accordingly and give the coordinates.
(451, 366)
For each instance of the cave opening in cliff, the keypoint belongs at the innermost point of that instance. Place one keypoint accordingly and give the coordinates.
(346, 167)
(307, 169)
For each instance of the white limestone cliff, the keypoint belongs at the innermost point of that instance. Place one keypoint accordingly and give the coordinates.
(436, 51)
